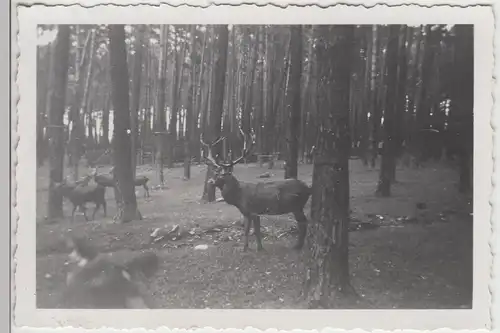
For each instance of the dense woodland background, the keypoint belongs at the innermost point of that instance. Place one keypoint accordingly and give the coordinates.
(143, 94)
(174, 69)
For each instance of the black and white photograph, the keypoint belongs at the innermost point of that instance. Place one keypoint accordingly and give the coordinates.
(257, 166)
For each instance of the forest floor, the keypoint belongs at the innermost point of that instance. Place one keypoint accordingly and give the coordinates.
(414, 258)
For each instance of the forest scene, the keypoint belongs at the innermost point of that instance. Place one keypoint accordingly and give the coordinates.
(255, 166)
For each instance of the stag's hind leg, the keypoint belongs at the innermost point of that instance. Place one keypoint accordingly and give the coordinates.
(247, 224)
(302, 225)
(256, 230)
(146, 190)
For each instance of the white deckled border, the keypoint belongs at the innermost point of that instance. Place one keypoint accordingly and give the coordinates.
(25, 311)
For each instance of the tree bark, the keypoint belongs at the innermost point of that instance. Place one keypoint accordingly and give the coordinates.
(42, 85)
(57, 101)
(374, 109)
(189, 139)
(178, 60)
(327, 269)
(123, 174)
(160, 112)
(76, 136)
(217, 100)
(105, 121)
(136, 95)
(461, 115)
(294, 123)
(389, 147)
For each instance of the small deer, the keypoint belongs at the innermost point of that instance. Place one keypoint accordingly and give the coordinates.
(262, 198)
(79, 195)
(98, 282)
(108, 180)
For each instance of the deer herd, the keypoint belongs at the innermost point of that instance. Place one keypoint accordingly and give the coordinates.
(99, 283)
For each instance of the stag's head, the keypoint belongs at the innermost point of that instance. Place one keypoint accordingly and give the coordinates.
(223, 172)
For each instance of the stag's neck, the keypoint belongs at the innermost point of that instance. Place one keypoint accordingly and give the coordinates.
(231, 191)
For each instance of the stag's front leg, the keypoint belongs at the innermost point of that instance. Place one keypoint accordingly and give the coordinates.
(302, 225)
(97, 206)
(84, 211)
(256, 230)
(247, 223)
(73, 213)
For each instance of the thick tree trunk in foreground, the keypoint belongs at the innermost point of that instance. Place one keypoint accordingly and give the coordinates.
(57, 100)
(217, 99)
(327, 238)
(388, 164)
(123, 174)
(294, 123)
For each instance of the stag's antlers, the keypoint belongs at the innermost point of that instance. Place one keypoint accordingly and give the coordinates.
(246, 151)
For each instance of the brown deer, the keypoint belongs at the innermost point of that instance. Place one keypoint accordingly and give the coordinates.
(108, 180)
(262, 198)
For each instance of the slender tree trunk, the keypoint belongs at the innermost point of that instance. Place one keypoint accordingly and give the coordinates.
(294, 124)
(365, 141)
(123, 174)
(57, 101)
(189, 139)
(136, 95)
(400, 98)
(221, 46)
(42, 77)
(160, 112)
(389, 147)
(327, 270)
(374, 108)
(76, 136)
(462, 116)
(178, 60)
(105, 121)
(248, 109)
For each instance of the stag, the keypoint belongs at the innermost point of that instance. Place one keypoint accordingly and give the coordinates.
(263, 198)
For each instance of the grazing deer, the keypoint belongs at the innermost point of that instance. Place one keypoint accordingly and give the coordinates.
(108, 180)
(97, 282)
(79, 195)
(262, 198)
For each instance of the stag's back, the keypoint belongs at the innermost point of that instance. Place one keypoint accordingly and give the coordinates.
(274, 197)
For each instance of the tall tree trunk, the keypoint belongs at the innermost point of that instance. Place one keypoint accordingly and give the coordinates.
(123, 174)
(367, 99)
(160, 129)
(461, 118)
(374, 108)
(178, 60)
(57, 101)
(389, 147)
(401, 97)
(86, 108)
(136, 95)
(221, 46)
(189, 138)
(42, 78)
(327, 270)
(294, 123)
(105, 121)
(247, 110)
(76, 136)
